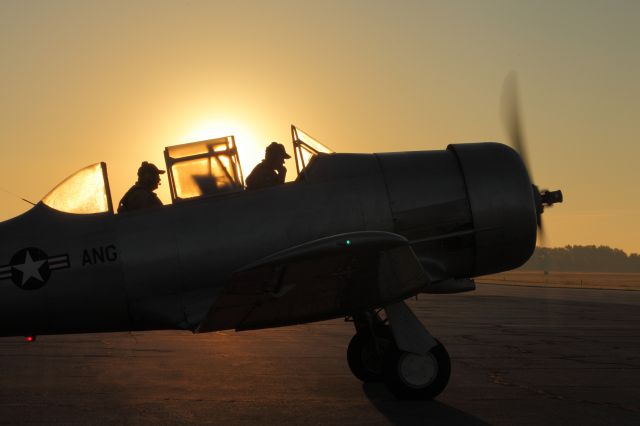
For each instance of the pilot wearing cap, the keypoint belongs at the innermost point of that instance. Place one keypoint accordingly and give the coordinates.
(271, 170)
(141, 195)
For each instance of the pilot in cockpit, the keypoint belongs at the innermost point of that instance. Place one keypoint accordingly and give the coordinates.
(141, 195)
(271, 170)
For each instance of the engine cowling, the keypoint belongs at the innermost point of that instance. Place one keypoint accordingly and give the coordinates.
(470, 208)
(502, 203)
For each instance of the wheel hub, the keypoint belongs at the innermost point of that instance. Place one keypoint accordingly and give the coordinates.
(417, 370)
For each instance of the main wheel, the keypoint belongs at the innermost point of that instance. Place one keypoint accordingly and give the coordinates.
(412, 376)
(365, 360)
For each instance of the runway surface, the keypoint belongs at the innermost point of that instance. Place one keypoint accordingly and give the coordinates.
(520, 355)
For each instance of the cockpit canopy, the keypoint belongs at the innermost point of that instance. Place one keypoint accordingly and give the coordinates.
(203, 168)
(84, 192)
(194, 170)
(305, 148)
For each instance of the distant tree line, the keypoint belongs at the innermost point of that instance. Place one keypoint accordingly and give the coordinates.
(583, 259)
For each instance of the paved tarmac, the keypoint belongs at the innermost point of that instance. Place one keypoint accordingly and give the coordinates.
(520, 356)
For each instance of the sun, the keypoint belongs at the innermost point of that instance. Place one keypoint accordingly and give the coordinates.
(250, 150)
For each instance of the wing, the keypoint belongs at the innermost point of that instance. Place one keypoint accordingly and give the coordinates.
(322, 279)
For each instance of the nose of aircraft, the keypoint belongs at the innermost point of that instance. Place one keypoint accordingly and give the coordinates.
(470, 207)
(502, 204)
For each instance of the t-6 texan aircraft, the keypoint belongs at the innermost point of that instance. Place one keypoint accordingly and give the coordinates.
(353, 237)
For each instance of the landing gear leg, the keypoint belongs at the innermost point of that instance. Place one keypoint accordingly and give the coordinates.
(417, 366)
(368, 348)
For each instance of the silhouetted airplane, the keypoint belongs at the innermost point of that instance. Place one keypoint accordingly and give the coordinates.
(354, 236)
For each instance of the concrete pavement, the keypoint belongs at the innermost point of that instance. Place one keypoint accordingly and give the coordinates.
(520, 355)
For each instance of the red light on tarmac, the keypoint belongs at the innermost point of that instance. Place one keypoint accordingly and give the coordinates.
(30, 338)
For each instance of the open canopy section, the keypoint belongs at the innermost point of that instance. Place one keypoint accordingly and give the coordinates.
(203, 168)
(84, 192)
(305, 148)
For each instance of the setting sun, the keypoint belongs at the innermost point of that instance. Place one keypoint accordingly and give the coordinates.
(250, 149)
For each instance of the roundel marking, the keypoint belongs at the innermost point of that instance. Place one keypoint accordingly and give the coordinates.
(30, 268)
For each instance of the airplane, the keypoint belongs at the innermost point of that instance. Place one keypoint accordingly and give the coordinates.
(353, 237)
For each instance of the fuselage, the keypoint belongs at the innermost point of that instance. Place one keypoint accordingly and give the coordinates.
(162, 268)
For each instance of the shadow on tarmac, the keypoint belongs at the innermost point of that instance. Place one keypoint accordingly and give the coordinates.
(416, 412)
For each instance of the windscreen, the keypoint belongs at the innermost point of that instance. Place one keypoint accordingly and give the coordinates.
(311, 142)
(84, 192)
(305, 148)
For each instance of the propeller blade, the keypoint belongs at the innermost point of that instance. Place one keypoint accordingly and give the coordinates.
(511, 117)
(546, 266)
(514, 127)
(541, 234)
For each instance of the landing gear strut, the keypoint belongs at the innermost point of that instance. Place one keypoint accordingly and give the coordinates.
(400, 352)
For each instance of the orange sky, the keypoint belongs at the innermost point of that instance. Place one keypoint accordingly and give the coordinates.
(88, 81)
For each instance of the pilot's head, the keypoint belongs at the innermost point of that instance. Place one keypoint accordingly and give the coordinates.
(275, 154)
(149, 175)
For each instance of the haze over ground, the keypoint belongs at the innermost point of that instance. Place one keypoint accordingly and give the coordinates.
(89, 81)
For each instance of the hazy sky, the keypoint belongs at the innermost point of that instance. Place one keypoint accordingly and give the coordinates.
(88, 81)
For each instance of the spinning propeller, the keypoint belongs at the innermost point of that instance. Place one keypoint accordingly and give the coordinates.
(543, 198)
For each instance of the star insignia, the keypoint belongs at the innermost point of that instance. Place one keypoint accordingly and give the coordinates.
(30, 268)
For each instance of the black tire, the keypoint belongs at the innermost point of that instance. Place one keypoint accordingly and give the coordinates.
(364, 361)
(413, 377)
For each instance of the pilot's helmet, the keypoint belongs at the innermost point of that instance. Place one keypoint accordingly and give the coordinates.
(149, 169)
(277, 150)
